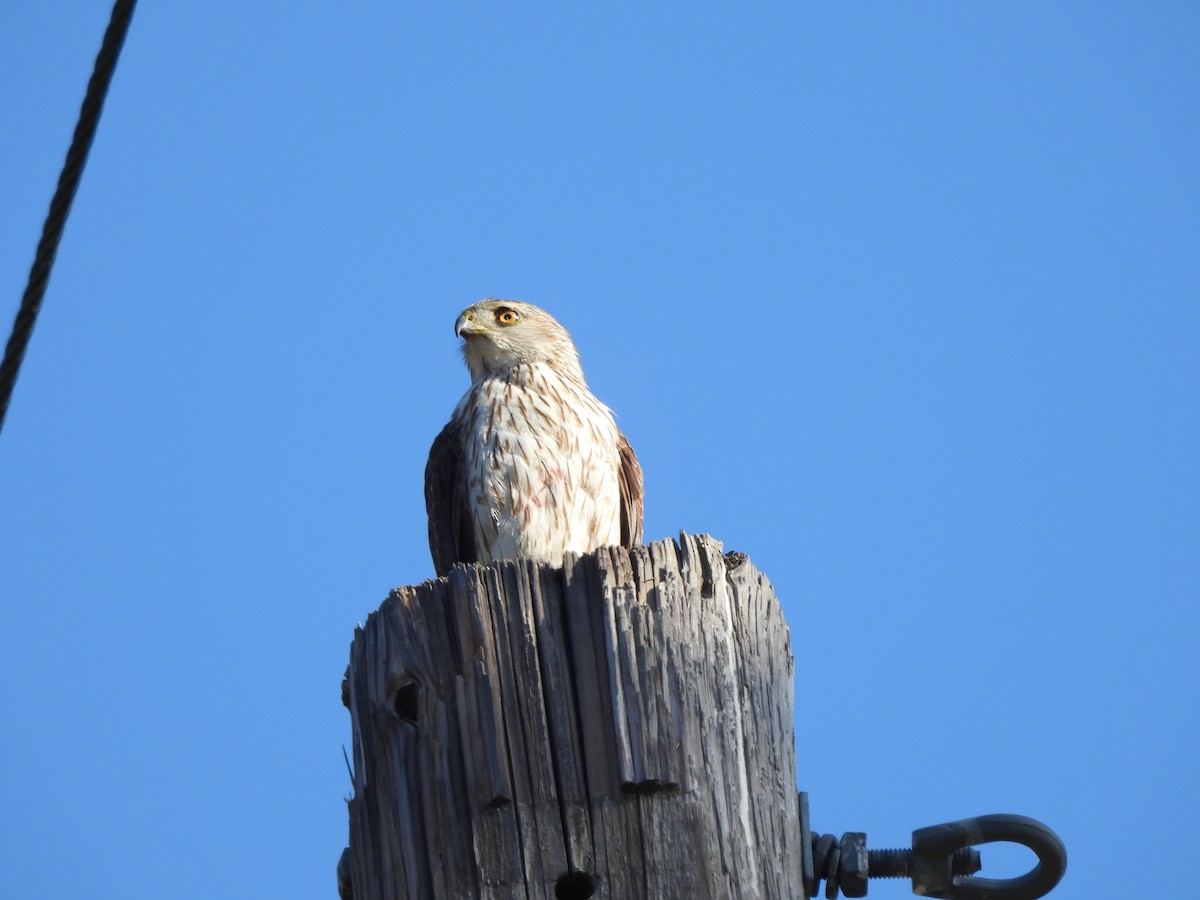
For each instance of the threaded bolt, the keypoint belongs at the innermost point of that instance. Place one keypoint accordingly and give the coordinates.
(889, 863)
(898, 863)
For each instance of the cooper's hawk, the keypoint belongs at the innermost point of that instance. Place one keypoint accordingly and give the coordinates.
(531, 464)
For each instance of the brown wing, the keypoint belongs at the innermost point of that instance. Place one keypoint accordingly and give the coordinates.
(451, 537)
(629, 478)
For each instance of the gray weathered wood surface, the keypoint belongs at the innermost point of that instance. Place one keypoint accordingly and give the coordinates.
(627, 718)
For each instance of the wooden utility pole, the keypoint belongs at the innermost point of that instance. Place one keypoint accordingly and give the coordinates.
(618, 728)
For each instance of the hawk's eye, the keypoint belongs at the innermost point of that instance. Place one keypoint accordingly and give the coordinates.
(507, 316)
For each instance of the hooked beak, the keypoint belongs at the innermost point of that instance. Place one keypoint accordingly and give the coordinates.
(465, 325)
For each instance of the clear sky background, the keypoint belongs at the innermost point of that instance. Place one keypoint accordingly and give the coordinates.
(902, 300)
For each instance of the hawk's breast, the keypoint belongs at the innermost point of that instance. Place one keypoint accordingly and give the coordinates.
(541, 462)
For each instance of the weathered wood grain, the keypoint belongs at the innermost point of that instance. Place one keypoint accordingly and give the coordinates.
(617, 728)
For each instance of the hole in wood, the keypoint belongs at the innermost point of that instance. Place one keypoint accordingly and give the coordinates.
(574, 886)
(407, 701)
(345, 889)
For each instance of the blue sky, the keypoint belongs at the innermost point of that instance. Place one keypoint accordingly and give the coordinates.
(902, 300)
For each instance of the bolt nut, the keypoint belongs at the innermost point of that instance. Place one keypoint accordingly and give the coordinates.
(855, 868)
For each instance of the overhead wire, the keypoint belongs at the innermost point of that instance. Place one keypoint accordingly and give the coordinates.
(64, 194)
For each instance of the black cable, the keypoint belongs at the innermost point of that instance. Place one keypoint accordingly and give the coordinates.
(60, 205)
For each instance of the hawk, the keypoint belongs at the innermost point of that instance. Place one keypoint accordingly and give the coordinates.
(531, 464)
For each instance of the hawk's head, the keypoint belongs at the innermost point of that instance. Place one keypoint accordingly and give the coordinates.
(501, 334)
